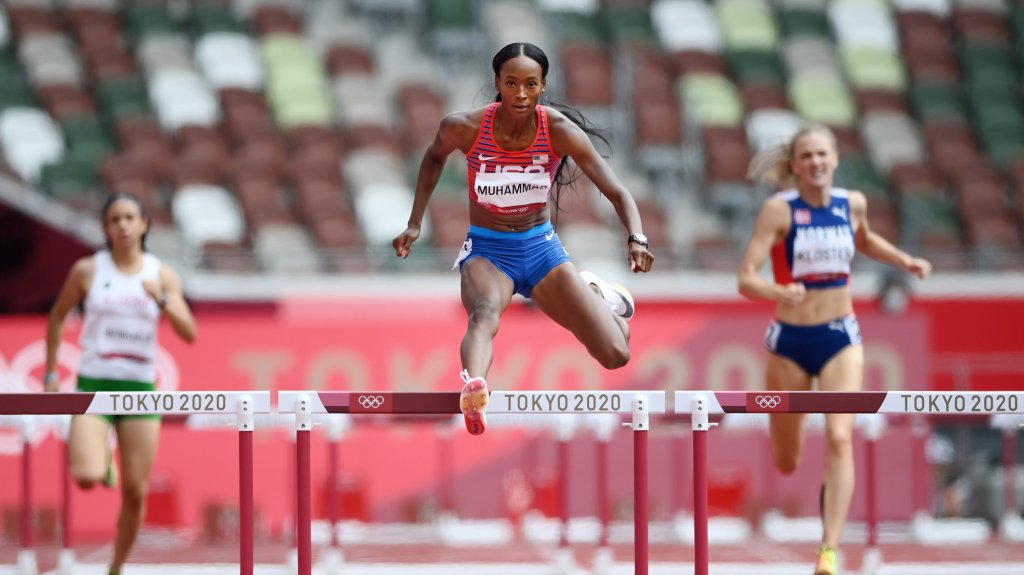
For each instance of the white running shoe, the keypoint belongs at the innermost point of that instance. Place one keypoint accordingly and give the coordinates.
(615, 296)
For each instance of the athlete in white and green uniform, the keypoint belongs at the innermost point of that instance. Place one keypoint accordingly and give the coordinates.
(123, 291)
(118, 338)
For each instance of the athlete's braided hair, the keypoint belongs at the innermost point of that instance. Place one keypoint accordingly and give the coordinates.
(563, 178)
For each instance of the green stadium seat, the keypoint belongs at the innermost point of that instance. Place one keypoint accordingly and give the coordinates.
(210, 19)
(86, 132)
(857, 173)
(823, 100)
(628, 25)
(870, 67)
(937, 101)
(747, 24)
(73, 180)
(756, 66)
(794, 21)
(122, 97)
(577, 27)
(713, 99)
(146, 19)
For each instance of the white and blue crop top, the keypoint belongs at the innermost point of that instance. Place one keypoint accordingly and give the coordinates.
(820, 245)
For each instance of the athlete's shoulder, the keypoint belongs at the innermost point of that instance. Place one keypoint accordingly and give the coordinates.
(556, 119)
(464, 119)
(857, 201)
(783, 196)
(85, 263)
(776, 209)
(83, 269)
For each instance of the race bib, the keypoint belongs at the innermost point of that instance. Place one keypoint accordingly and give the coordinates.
(822, 250)
(127, 337)
(511, 189)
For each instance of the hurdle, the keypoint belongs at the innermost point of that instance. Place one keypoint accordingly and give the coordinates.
(243, 404)
(304, 404)
(702, 404)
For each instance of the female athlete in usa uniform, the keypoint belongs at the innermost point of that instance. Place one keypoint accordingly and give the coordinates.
(124, 291)
(811, 232)
(516, 149)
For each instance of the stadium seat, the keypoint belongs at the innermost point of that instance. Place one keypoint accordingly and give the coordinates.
(683, 25)
(206, 214)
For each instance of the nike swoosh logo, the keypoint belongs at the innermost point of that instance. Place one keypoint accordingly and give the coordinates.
(484, 158)
(549, 235)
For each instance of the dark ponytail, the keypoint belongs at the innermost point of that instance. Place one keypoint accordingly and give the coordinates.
(563, 178)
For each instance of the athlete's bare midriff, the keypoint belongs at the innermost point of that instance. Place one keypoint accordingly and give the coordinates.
(819, 306)
(484, 218)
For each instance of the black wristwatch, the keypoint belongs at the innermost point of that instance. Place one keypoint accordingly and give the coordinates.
(638, 239)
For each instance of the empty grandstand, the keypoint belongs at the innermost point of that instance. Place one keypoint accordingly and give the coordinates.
(275, 138)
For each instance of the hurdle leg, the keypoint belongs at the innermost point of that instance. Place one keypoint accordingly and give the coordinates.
(700, 426)
(872, 555)
(246, 527)
(333, 558)
(565, 562)
(640, 425)
(1011, 526)
(603, 557)
(303, 464)
(27, 555)
(66, 560)
(446, 471)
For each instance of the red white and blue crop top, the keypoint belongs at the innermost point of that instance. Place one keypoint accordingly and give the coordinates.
(506, 182)
(820, 245)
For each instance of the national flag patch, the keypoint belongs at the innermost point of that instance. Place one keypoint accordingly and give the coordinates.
(540, 158)
(802, 217)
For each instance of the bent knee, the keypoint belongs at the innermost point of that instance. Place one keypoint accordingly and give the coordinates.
(614, 357)
(839, 441)
(484, 313)
(134, 494)
(87, 476)
(86, 484)
(787, 464)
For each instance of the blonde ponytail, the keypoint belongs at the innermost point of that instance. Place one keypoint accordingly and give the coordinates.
(771, 166)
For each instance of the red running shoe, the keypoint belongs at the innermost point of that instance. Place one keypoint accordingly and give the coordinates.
(473, 402)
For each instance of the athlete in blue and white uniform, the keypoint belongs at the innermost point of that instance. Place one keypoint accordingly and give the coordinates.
(811, 231)
(516, 149)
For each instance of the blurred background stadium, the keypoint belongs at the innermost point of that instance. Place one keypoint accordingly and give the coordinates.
(275, 144)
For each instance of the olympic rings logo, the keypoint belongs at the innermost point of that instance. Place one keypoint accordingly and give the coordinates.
(768, 401)
(371, 401)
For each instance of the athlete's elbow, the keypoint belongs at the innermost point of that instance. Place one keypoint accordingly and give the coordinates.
(746, 287)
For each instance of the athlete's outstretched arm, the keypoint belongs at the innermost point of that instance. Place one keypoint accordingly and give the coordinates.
(445, 142)
(568, 139)
(70, 295)
(878, 248)
(772, 224)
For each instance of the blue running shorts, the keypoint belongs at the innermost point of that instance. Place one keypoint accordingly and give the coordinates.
(811, 346)
(525, 257)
